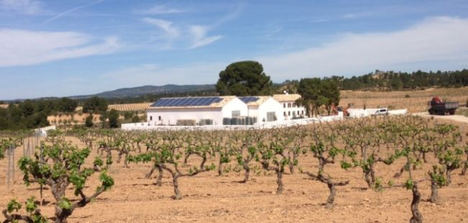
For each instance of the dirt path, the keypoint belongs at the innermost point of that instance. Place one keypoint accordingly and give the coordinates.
(457, 118)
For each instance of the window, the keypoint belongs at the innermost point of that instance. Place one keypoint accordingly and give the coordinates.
(271, 116)
(289, 113)
(289, 105)
(235, 113)
(151, 118)
(159, 118)
(284, 105)
(285, 114)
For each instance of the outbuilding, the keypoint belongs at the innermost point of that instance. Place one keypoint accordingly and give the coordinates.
(213, 110)
(263, 108)
(290, 109)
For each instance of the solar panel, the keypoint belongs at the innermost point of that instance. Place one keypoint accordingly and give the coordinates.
(248, 99)
(197, 101)
(188, 101)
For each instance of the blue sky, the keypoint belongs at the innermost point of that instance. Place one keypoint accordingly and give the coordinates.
(63, 48)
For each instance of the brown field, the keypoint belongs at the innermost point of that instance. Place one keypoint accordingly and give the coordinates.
(130, 107)
(209, 198)
(414, 101)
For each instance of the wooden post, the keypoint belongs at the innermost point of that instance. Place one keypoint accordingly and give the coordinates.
(11, 166)
(41, 157)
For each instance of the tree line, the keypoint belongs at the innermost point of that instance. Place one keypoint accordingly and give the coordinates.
(31, 114)
(241, 78)
(390, 80)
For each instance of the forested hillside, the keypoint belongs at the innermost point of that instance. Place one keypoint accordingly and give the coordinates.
(390, 80)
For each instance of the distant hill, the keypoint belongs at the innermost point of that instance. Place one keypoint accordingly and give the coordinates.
(149, 90)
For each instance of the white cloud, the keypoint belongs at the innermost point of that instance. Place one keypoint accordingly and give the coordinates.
(199, 37)
(29, 7)
(23, 47)
(166, 26)
(194, 35)
(68, 11)
(441, 40)
(437, 43)
(189, 36)
(159, 10)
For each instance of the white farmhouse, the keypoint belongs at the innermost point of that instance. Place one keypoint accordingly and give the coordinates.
(196, 110)
(290, 109)
(263, 108)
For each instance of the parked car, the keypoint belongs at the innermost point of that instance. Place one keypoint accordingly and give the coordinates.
(381, 111)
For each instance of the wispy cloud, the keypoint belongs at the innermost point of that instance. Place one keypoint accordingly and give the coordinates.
(199, 37)
(29, 7)
(158, 10)
(23, 47)
(68, 11)
(167, 26)
(434, 41)
(356, 15)
(188, 36)
(196, 35)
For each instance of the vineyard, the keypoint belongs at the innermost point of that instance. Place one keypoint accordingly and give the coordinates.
(378, 169)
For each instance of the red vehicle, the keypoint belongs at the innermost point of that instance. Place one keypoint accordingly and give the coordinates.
(438, 107)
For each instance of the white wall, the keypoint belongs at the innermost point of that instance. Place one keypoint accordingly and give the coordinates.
(270, 105)
(359, 113)
(266, 125)
(170, 116)
(291, 109)
(234, 105)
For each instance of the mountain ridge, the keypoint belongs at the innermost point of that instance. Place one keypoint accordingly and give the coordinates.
(132, 92)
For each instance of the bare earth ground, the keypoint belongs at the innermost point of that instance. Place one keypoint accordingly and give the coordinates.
(456, 118)
(208, 198)
(414, 101)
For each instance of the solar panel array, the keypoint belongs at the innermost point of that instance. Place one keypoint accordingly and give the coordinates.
(248, 99)
(189, 101)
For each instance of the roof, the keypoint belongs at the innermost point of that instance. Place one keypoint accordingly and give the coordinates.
(130, 107)
(192, 102)
(4, 105)
(286, 97)
(254, 100)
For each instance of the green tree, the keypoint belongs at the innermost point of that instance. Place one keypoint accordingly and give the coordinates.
(316, 92)
(89, 121)
(309, 89)
(331, 93)
(244, 78)
(67, 105)
(136, 118)
(113, 118)
(95, 105)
